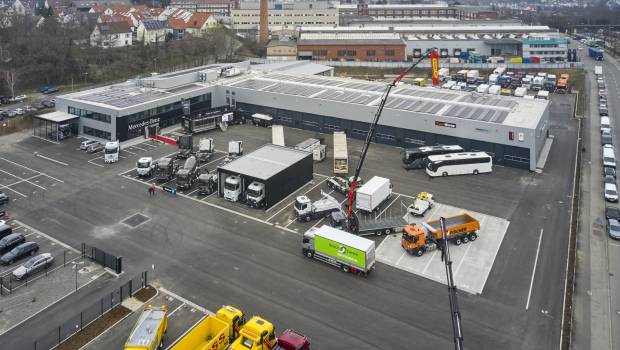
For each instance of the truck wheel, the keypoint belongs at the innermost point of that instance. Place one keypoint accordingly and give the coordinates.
(361, 273)
(307, 218)
(345, 268)
(465, 239)
(444, 173)
(388, 231)
(473, 236)
(309, 254)
(458, 241)
(379, 233)
(419, 252)
(475, 171)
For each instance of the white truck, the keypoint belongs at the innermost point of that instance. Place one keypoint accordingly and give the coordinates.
(494, 89)
(232, 188)
(235, 148)
(373, 194)
(341, 155)
(537, 83)
(313, 146)
(344, 250)
(145, 166)
(472, 76)
(499, 70)
(520, 91)
(206, 148)
(307, 210)
(444, 74)
(255, 195)
(483, 88)
(493, 78)
(598, 70)
(111, 151)
(423, 202)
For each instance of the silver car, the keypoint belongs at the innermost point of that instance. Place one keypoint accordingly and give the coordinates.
(33, 265)
(84, 145)
(613, 228)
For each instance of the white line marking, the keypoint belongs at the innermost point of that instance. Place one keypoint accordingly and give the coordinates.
(48, 237)
(24, 180)
(193, 191)
(614, 244)
(185, 301)
(215, 160)
(429, 262)
(318, 222)
(99, 165)
(283, 199)
(389, 205)
(27, 168)
(529, 294)
(12, 190)
(176, 309)
(128, 151)
(290, 222)
(401, 258)
(51, 159)
(20, 181)
(315, 186)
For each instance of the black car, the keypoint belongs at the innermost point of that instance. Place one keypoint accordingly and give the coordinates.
(11, 241)
(608, 179)
(609, 171)
(4, 198)
(612, 212)
(22, 250)
(606, 139)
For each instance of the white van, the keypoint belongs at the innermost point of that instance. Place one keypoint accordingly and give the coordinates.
(609, 157)
(605, 124)
(494, 89)
(520, 91)
(482, 88)
(542, 95)
(449, 84)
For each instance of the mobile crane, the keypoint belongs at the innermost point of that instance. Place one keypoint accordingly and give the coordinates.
(352, 220)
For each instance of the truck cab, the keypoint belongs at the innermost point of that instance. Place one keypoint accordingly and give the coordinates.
(235, 148)
(233, 317)
(232, 188)
(256, 334)
(255, 194)
(291, 340)
(303, 206)
(207, 183)
(165, 169)
(145, 166)
(187, 175)
(416, 242)
(205, 150)
(111, 150)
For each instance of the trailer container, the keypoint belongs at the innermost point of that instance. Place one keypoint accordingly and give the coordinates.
(281, 170)
(344, 250)
(148, 332)
(341, 155)
(208, 334)
(373, 194)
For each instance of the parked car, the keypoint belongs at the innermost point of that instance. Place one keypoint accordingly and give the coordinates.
(609, 171)
(11, 241)
(48, 104)
(11, 114)
(50, 90)
(613, 228)
(22, 250)
(611, 192)
(94, 148)
(608, 179)
(19, 98)
(606, 138)
(29, 108)
(19, 111)
(84, 145)
(602, 92)
(4, 198)
(33, 265)
(612, 212)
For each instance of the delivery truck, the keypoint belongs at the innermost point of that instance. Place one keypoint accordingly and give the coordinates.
(472, 76)
(341, 155)
(596, 53)
(344, 250)
(307, 210)
(418, 239)
(235, 148)
(213, 332)
(598, 71)
(148, 332)
(373, 194)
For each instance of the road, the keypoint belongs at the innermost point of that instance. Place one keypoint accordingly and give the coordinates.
(597, 293)
(214, 258)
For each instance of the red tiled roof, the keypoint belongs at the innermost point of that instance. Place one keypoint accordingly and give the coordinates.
(176, 23)
(116, 18)
(197, 20)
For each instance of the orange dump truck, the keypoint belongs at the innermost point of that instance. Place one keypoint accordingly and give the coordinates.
(418, 239)
(562, 85)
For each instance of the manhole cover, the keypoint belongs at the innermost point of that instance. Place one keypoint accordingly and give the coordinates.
(136, 220)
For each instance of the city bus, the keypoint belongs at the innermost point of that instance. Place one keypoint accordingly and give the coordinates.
(413, 158)
(459, 164)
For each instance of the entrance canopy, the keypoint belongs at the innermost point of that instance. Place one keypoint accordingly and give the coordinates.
(55, 126)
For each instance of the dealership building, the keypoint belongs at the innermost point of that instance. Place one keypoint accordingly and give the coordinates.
(303, 95)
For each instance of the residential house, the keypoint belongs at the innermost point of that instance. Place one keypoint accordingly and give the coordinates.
(113, 34)
(176, 27)
(199, 23)
(152, 31)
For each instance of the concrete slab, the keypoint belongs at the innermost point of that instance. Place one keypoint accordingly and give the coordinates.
(472, 262)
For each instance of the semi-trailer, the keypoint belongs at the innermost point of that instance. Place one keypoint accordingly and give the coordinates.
(366, 226)
(187, 175)
(341, 155)
(307, 210)
(344, 250)
(596, 53)
(148, 332)
(259, 119)
(418, 239)
(373, 194)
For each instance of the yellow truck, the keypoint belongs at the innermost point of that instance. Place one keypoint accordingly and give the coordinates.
(148, 332)
(214, 332)
(256, 334)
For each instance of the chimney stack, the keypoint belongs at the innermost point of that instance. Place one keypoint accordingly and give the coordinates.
(264, 23)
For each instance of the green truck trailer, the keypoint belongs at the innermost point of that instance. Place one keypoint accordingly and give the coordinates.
(348, 252)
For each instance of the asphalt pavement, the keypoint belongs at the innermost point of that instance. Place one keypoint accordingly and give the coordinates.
(215, 257)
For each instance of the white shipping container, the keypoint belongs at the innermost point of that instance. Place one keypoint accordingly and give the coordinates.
(341, 156)
(520, 91)
(373, 193)
(482, 88)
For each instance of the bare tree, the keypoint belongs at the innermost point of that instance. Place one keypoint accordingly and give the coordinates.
(10, 77)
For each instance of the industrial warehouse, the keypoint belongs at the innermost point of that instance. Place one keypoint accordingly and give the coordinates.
(512, 130)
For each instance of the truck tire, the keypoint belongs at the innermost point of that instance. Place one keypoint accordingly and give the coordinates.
(466, 239)
(473, 236)
(419, 252)
(475, 171)
(388, 231)
(458, 241)
(307, 218)
(444, 174)
(309, 254)
(379, 233)
(361, 273)
(344, 268)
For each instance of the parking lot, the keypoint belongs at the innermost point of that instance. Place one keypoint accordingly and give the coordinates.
(182, 316)
(20, 181)
(20, 299)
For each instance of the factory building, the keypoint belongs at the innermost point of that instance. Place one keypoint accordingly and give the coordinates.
(511, 129)
(221, 8)
(247, 16)
(380, 47)
(417, 11)
(546, 47)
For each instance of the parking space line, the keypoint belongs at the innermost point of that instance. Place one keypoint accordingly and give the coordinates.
(387, 206)
(50, 159)
(20, 181)
(290, 222)
(209, 195)
(315, 186)
(99, 165)
(529, 294)
(24, 180)
(176, 309)
(46, 236)
(130, 152)
(12, 190)
(185, 301)
(192, 191)
(317, 223)
(41, 276)
(429, 262)
(215, 160)
(141, 149)
(283, 199)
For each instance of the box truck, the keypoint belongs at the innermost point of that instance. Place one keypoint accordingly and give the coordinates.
(472, 76)
(344, 250)
(373, 194)
(319, 152)
(598, 70)
(148, 332)
(341, 155)
(235, 148)
(596, 53)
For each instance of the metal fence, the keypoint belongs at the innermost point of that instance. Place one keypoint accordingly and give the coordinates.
(559, 65)
(90, 314)
(8, 283)
(105, 259)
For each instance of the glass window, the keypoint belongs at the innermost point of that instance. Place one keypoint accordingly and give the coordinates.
(96, 133)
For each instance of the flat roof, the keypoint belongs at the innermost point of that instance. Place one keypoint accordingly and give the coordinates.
(57, 116)
(294, 67)
(435, 28)
(504, 110)
(265, 162)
